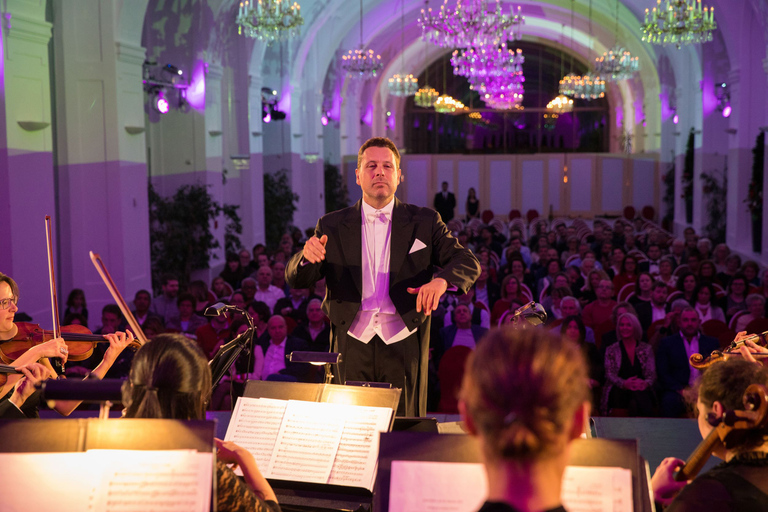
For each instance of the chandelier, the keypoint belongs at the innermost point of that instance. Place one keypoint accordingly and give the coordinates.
(568, 84)
(504, 102)
(426, 97)
(679, 22)
(487, 62)
(361, 63)
(470, 24)
(403, 85)
(448, 105)
(560, 105)
(617, 64)
(269, 20)
(589, 87)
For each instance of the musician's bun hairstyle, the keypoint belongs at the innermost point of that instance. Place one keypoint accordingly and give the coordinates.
(521, 389)
(169, 378)
(726, 382)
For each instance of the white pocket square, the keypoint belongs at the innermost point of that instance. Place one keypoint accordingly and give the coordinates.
(417, 246)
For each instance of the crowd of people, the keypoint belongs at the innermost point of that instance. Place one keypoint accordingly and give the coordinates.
(637, 300)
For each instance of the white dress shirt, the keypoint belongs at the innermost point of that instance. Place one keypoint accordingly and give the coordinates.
(270, 296)
(377, 314)
(691, 347)
(274, 360)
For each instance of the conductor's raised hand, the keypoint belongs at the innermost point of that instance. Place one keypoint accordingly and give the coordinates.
(428, 295)
(314, 249)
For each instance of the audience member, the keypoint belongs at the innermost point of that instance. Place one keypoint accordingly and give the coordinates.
(707, 273)
(598, 313)
(164, 305)
(719, 256)
(573, 329)
(221, 288)
(706, 305)
(76, 304)
(627, 273)
(643, 289)
(486, 291)
(756, 311)
(676, 375)
(461, 332)
(666, 267)
(294, 306)
(249, 287)
(278, 277)
(630, 372)
(186, 322)
(213, 335)
(276, 365)
(472, 205)
(141, 305)
(570, 306)
(314, 329)
(233, 273)
(199, 290)
(265, 291)
(611, 337)
(732, 266)
(736, 298)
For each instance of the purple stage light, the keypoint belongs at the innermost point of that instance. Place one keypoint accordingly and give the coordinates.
(676, 119)
(162, 105)
(324, 120)
(727, 111)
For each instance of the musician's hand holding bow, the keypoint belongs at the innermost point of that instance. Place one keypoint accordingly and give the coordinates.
(749, 347)
(664, 485)
(117, 343)
(33, 373)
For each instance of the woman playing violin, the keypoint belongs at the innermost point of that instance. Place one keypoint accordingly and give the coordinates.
(55, 348)
(740, 483)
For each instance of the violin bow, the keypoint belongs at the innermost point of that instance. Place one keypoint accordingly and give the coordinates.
(52, 280)
(104, 273)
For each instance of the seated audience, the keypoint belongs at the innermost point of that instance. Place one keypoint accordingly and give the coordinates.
(611, 337)
(736, 298)
(141, 307)
(756, 308)
(264, 290)
(706, 304)
(627, 273)
(233, 273)
(461, 332)
(213, 334)
(686, 285)
(666, 267)
(315, 330)
(186, 322)
(76, 304)
(164, 305)
(573, 329)
(510, 291)
(643, 289)
(276, 364)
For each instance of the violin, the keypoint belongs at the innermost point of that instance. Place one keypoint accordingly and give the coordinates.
(727, 427)
(700, 362)
(80, 341)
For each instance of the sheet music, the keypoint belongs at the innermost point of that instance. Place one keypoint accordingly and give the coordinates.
(306, 444)
(462, 487)
(143, 481)
(47, 481)
(255, 425)
(356, 459)
(107, 481)
(597, 489)
(417, 486)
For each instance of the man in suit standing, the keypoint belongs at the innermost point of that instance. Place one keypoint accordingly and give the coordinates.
(380, 259)
(445, 202)
(672, 362)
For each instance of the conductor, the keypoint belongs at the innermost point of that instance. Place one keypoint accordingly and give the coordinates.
(386, 265)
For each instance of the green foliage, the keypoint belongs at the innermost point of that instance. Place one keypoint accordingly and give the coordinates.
(669, 193)
(336, 195)
(715, 189)
(180, 231)
(279, 206)
(754, 198)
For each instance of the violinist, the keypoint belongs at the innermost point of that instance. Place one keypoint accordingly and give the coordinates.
(10, 408)
(740, 483)
(55, 348)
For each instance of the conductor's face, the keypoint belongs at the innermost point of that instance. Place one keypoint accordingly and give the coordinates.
(378, 176)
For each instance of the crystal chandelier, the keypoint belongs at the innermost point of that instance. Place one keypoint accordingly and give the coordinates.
(617, 64)
(361, 63)
(403, 85)
(560, 105)
(484, 61)
(568, 84)
(589, 87)
(269, 20)
(426, 97)
(448, 105)
(679, 22)
(470, 24)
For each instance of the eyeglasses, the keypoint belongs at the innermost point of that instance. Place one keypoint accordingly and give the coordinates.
(6, 303)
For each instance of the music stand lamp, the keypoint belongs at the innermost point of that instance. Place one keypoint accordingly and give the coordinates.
(318, 359)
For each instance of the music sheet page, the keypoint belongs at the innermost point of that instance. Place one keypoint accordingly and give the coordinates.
(417, 486)
(47, 481)
(137, 481)
(357, 458)
(254, 426)
(597, 489)
(306, 444)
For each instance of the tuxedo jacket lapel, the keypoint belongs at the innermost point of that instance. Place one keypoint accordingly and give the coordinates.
(402, 230)
(350, 238)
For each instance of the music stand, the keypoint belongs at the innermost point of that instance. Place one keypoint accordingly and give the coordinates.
(229, 352)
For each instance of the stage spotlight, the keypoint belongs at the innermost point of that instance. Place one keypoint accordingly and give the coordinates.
(727, 110)
(676, 119)
(161, 104)
(267, 117)
(170, 68)
(324, 120)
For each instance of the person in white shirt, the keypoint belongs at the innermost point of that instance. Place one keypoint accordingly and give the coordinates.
(386, 265)
(266, 292)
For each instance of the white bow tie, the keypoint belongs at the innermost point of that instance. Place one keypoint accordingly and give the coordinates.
(378, 215)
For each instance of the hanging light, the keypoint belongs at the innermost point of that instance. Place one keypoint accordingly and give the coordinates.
(426, 97)
(496, 61)
(589, 86)
(560, 105)
(403, 85)
(446, 104)
(361, 63)
(470, 24)
(679, 22)
(269, 20)
(617, 63)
